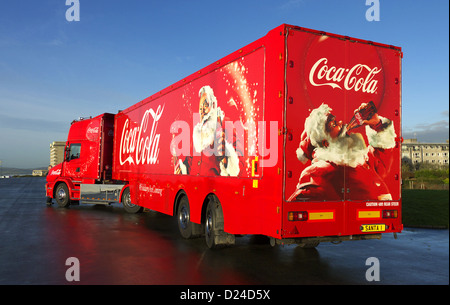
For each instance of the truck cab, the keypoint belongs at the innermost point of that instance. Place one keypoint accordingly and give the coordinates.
(87, 159)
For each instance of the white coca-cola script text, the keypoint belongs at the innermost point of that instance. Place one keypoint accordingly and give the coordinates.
(359, 77)
(140, 144)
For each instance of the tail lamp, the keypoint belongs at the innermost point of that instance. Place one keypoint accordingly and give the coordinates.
(298, 216)
(390, 213)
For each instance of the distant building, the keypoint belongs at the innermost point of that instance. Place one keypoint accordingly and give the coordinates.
(40, 172)
(56, 152)
(433, 153)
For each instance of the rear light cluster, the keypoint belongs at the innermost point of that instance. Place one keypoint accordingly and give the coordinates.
(303, 215)
(298, 216)
(390, 213)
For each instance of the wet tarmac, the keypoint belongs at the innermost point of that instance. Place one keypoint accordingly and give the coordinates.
(116, 248)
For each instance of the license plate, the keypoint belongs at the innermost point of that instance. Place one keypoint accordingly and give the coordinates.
(373, 228)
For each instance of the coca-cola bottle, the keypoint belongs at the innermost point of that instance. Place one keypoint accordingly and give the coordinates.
(363, 114)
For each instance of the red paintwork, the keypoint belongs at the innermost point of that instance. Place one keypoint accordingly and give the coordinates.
(268, 80)
(96, 138)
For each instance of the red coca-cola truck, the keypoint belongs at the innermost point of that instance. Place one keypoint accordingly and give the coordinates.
(256, 143)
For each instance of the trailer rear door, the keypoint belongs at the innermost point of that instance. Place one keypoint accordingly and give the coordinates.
(328, 78)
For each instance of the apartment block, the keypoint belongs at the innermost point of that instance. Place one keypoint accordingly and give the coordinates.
(56, 152)
(433, 153)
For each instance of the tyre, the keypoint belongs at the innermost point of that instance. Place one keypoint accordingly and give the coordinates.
(215, 236)
(128, 206)
(184, 218)
(210, 225)
(62, 195)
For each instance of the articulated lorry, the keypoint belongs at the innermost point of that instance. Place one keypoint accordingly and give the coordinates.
(296, 136)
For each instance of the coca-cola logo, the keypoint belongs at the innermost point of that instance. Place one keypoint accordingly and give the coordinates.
(140, 144)
(55, 172)
(92, 130)
(359, 77)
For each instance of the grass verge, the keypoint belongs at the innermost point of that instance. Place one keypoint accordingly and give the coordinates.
(425, 208)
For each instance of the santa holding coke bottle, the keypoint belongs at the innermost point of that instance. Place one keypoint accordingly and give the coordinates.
(336, 152)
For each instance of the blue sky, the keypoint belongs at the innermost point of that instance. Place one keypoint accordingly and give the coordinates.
(53, 71)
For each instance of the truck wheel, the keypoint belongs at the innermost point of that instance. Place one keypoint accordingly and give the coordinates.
(210, 225)
(62, 195)
(128, 206)
(184, 218)
(215, 236)
(187, 228)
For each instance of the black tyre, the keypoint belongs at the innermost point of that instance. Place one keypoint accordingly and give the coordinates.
(215, 236)
(210, 225)
(62, 195)
(184, 218)
(128, 206)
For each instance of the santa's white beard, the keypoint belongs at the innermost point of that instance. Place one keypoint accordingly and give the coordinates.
(204, 133)
(349, 150)
(204, 136)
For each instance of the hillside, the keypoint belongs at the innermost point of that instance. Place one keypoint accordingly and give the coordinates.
(11, 171)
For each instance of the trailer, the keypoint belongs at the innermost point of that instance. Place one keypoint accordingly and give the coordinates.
(296, 136)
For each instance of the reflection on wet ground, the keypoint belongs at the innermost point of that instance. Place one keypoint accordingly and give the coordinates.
(118, 248)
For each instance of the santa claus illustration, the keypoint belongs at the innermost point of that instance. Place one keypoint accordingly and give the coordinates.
(214, 154)
(336, 153)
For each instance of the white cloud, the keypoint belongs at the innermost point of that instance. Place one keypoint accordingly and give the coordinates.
(436, 132)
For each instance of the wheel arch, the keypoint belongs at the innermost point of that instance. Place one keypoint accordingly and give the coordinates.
(176, 202)
(123, 190)
(68, 183)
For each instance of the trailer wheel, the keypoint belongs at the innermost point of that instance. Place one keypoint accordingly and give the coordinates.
(128, 206)
(210, 225)
(62, 195)
(184, 218)
(215, 236)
